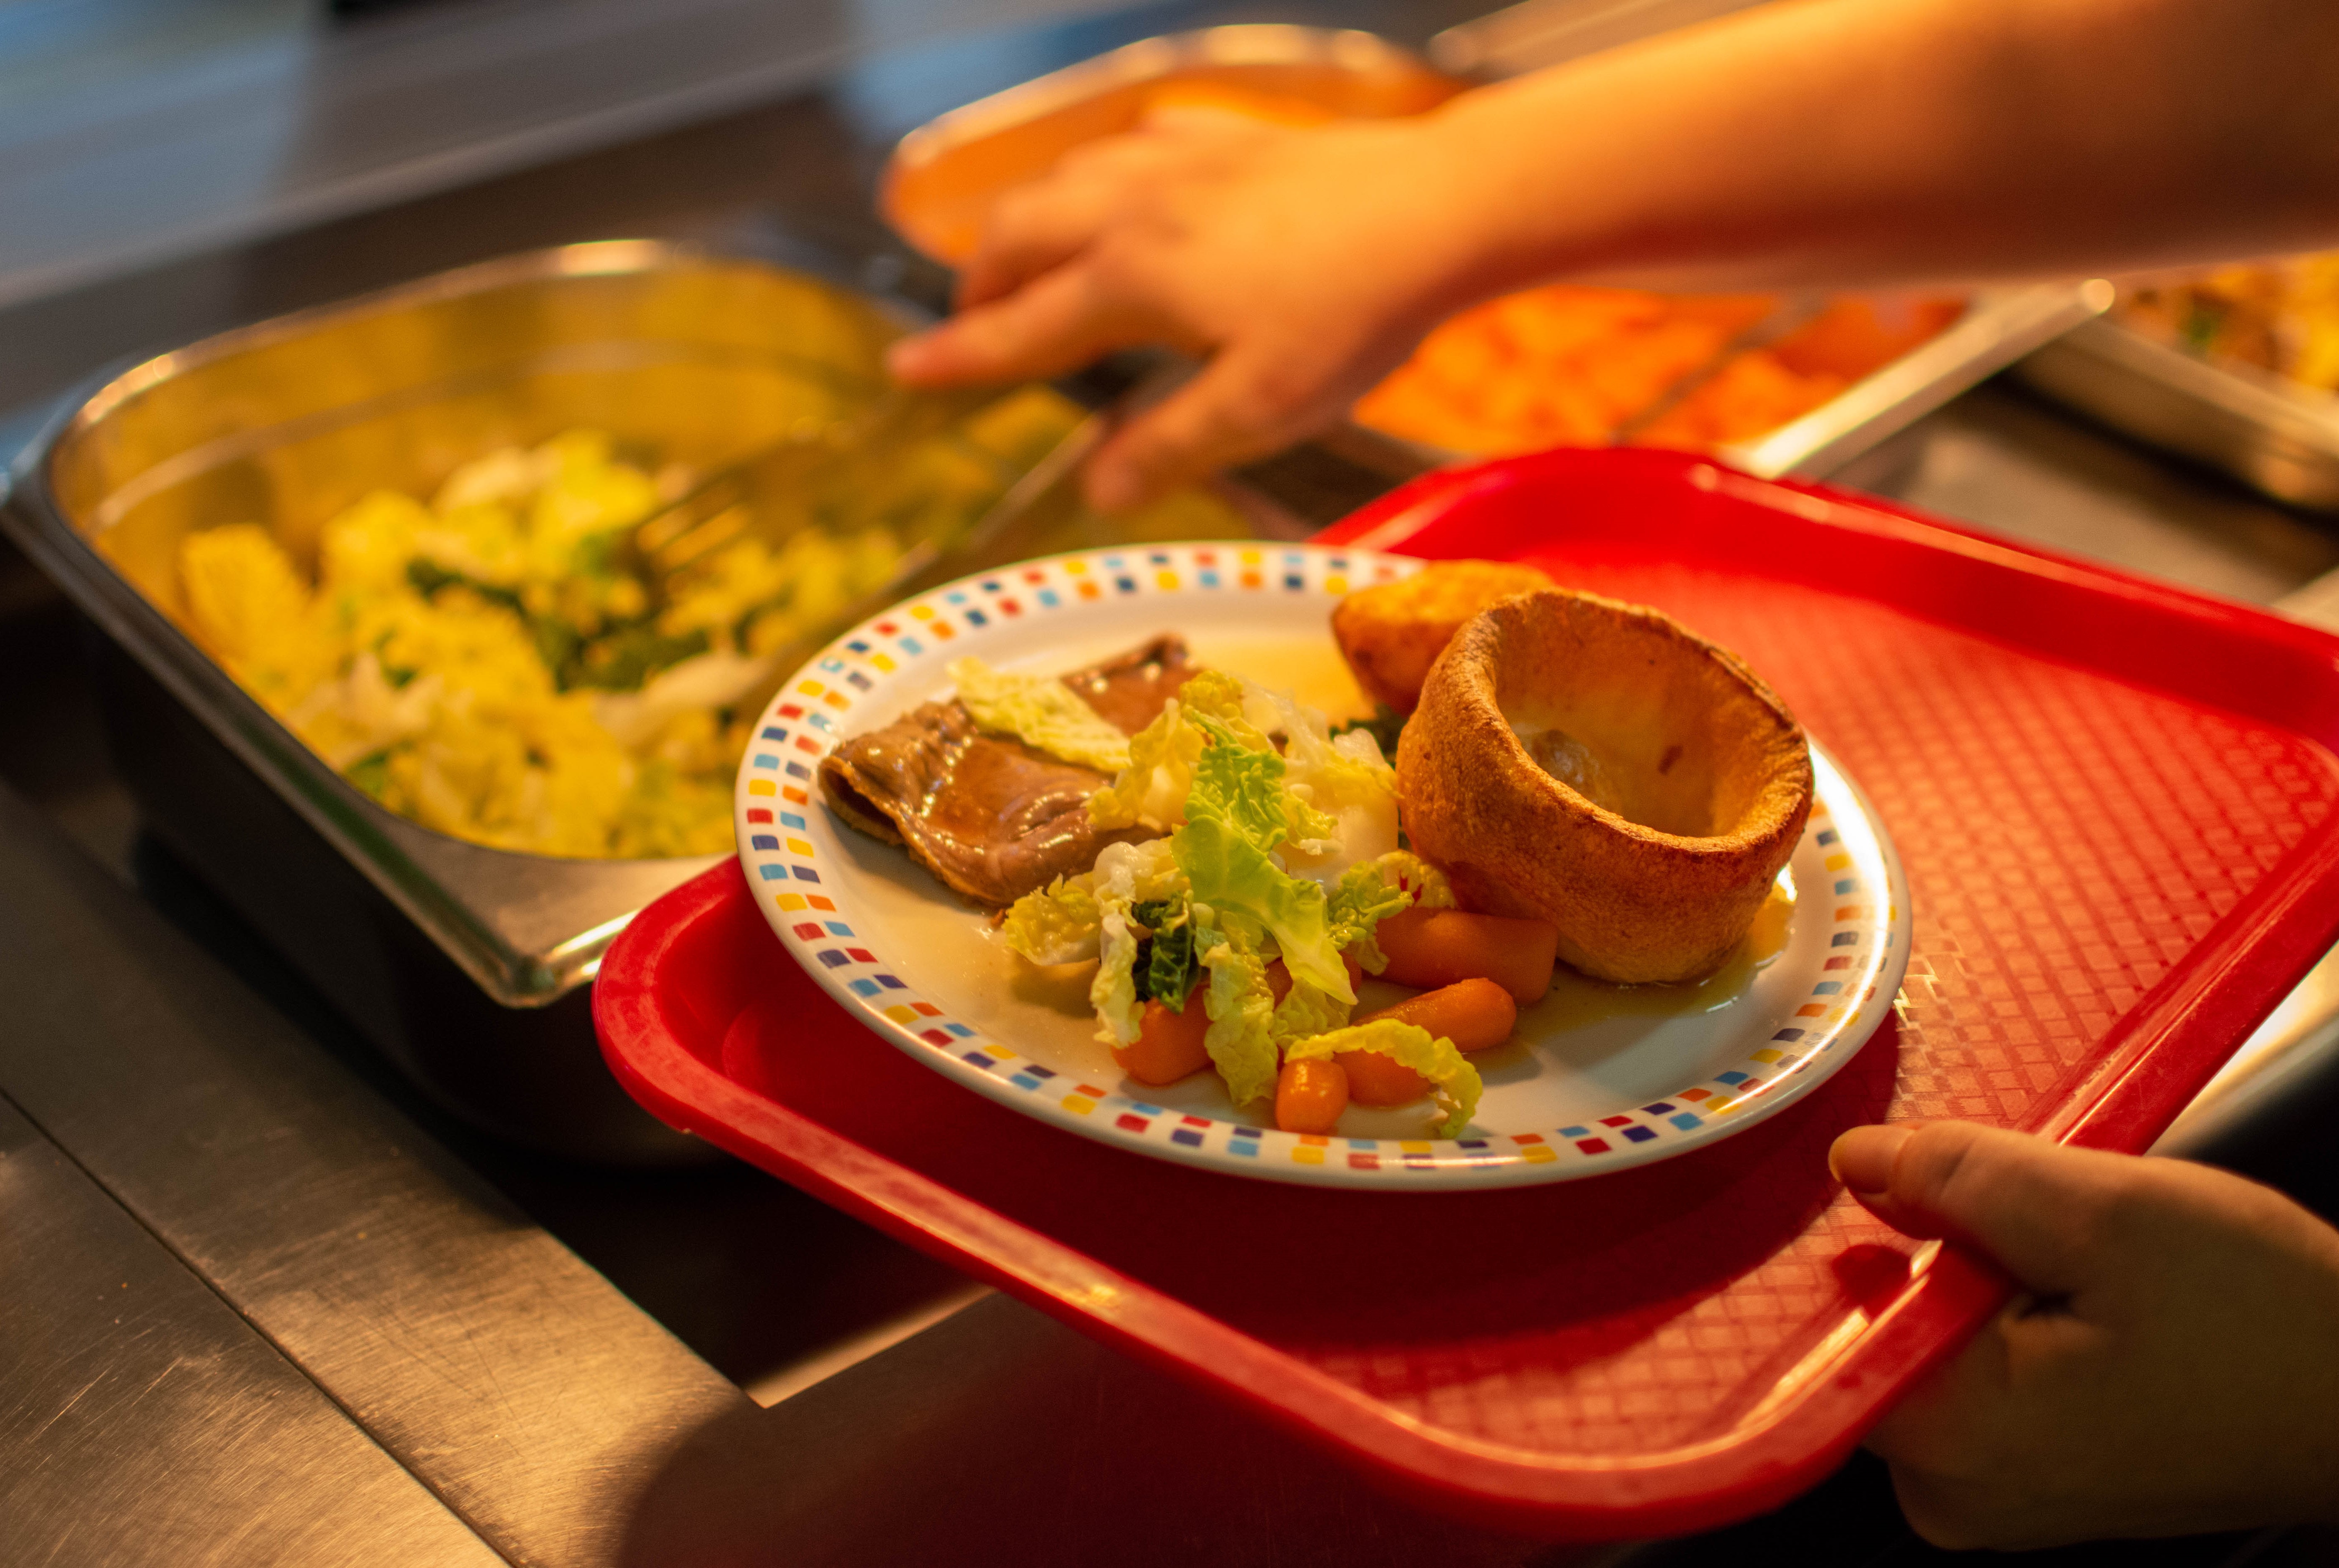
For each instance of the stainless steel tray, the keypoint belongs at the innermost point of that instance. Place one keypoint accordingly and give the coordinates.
(464, 963)
(2280, 439)
(1999, 328)
(944, 176)
(288, 423)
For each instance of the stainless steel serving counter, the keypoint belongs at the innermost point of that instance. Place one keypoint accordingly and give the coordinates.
(259, 1303)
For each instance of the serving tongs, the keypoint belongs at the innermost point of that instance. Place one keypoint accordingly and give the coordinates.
(797, 481)
(800, 483)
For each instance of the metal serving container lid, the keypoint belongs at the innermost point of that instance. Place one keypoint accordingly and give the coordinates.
(943, 176)
(285, 423)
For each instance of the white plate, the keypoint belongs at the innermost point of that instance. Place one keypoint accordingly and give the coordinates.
(1600, 1078)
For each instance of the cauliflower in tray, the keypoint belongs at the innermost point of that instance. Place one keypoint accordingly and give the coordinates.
(487, 666)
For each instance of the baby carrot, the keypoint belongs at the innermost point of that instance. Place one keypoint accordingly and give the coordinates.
(1309, 1096)
(1436, 947)
(1473, 1013)
(1378, 1079)
(1168, 1045)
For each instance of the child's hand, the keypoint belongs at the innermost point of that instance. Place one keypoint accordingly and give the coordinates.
(1303, 264)
(2172, 1367)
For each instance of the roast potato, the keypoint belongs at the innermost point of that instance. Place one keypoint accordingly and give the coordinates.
(1391, 633)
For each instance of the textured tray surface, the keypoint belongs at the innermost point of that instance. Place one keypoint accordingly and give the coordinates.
(2068, 839)
(1669, 1346)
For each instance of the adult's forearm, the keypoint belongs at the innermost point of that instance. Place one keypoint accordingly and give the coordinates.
(1907, 141)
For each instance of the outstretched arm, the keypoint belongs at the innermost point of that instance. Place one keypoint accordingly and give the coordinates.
(1838, 142)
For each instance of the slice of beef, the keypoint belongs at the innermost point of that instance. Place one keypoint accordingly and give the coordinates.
(1129, 691)
(989, 816)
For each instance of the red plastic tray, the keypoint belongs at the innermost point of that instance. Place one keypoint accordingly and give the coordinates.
(2113, 800)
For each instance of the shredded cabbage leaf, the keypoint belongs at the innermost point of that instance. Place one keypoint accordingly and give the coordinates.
(1041, 712)
(1453, 1083)
(1240, 1007)
(1113, 992)
(1428, 885)
(1239, 786)
(1370, 892)
(1282, 843)
(1152, 791)
(1215, 695)
(1169, 970)
(1059, 923)
(1364, 898)
(1338, 773)
(1230, 874)
(1126, 874)
(1338, 803)
(1345, 792)
(1305, 1011)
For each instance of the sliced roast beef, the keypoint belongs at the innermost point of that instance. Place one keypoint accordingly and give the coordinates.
(989, 816)
(1130, 690)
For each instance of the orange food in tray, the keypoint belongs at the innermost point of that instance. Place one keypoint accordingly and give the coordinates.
(1554, 366)
(1569, 365)
(1760, 389)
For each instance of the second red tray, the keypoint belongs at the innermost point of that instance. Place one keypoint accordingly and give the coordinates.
(2112, 802)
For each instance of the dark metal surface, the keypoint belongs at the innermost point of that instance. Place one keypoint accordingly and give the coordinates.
(478, 1352)
(2005, 459)
(141, 1422)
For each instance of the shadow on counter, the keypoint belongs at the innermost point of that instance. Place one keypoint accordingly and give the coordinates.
(1001, 1435)
(748, 1272)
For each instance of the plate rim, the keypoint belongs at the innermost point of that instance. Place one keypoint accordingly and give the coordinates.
(980, 601)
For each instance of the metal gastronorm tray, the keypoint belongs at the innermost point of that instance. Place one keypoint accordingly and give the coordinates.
(2000, 326)
(2113, 800)
(466, 964)
(942, 177)
(2281, 438)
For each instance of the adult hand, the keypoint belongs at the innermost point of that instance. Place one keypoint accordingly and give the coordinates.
(2173, 1363)
(1301, 265)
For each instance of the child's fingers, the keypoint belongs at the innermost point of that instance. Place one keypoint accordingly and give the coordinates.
(1942, 1440)
(2032, 1207)
(1242, 405)
(1054, 325)
(1036, 228)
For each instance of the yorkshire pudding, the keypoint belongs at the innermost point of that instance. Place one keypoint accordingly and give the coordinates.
(1598, 765)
